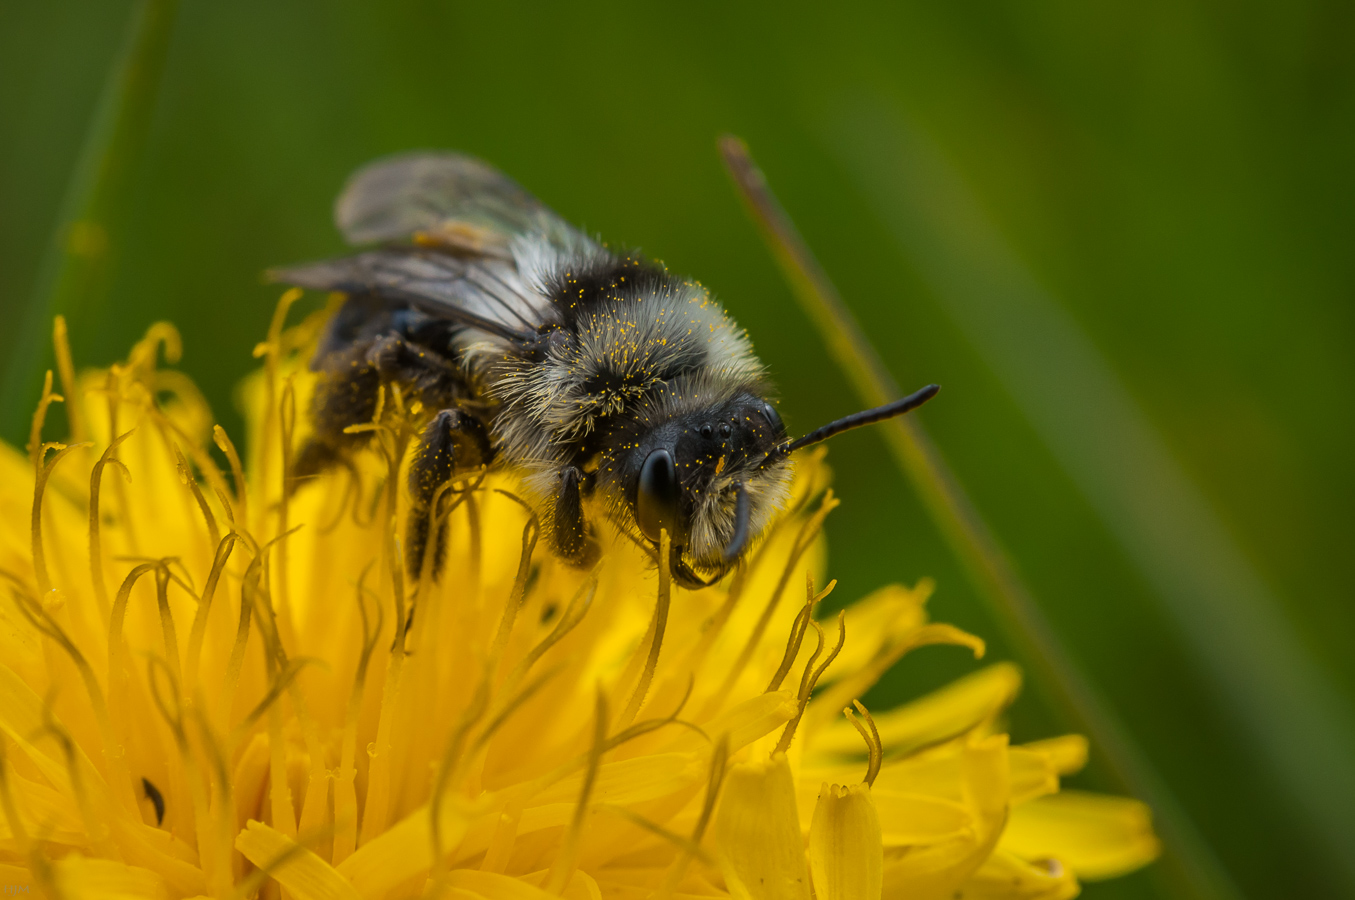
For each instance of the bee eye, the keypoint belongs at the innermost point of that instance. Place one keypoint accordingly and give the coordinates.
(657, 497)
(707, 431)
(773, 418)
(725, 430)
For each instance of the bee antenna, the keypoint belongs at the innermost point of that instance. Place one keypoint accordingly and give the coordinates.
(865, 417)
(742, 515)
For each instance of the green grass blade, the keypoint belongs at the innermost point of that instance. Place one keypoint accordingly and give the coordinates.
(1191, 869)
(76, 266)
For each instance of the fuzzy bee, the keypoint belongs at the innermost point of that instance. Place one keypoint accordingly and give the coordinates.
(608, 384)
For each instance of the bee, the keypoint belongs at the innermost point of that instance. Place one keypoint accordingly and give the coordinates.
(608, 384)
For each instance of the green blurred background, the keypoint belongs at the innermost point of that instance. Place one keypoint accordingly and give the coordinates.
(1119, 234)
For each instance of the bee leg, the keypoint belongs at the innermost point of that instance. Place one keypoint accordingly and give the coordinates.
(394, 358)
(452, 442)
(570, 534)
(426, 374)
(345, 395)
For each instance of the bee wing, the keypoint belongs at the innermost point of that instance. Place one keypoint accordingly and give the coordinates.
(445, 199)
(483, 293)
(463, 216)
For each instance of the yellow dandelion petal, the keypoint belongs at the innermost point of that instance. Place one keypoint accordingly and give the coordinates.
(1031, 774)
(1093, 835)
(401, 852)
(295, 867)
(919, 820)
(846, 848)
(977, 780)
(1004, 876)
(1066, 753)
(80, 877)
(757, 832)
(948, 713)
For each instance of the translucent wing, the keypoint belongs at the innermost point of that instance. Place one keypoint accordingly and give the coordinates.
(460, 217)
(484, 293)
(444, 199)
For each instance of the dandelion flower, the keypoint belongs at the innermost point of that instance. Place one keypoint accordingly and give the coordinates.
(216, 680)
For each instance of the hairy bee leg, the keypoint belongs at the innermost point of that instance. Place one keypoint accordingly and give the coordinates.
(394, 358)
(426, 374)
(453, 441)
(345, 395)
(570, 533)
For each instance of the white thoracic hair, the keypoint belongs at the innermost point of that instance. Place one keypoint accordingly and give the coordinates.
(622, 348)
(616, 359)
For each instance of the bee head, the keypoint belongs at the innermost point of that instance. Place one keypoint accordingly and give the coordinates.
(711, 467)
(707, 475)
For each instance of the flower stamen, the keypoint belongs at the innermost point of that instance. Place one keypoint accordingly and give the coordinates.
(95, 828)
(578, 607)
(476, 551)
(657, 626)
(187, 480)
(719, 764)
(811, 678)
(283, 676)
(183, 578)
(808, 532)
(117, 615)
(393, 442)
(447, 768)
(531, 532)
(75, 415)
(162, 575)
(44, 472)
(43, 622)
(797, 630)
(96, 571)
(227, 446)
(198, 630)
(351, 484)
(237, 658)
(874, 746)
(313, 804)
(271, 350)
(282, 616)
(345, 795)
(563, 868)
(857, 683)
(36, 448)
(685, 845)
(214, 847)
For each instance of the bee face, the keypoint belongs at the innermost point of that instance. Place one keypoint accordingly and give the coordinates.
(685, 475)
